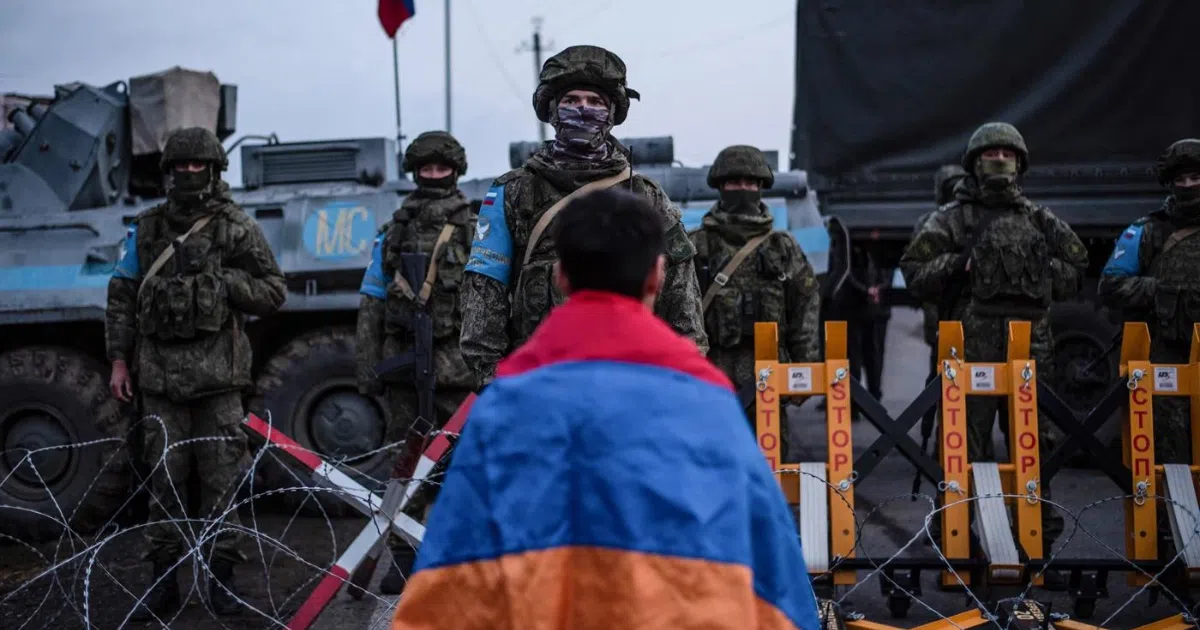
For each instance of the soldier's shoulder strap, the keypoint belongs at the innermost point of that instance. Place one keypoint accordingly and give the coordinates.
(1178, 237)
(162, 259)
(721, 278)
(544, 221)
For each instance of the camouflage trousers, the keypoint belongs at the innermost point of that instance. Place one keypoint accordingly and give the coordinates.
(219, 465)
(403, 404)
(986, 340)
(1172, 416)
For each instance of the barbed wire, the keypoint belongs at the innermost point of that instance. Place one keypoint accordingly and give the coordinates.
(86, 580)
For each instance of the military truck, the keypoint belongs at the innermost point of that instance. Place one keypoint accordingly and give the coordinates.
(886, 93)
(78, 167)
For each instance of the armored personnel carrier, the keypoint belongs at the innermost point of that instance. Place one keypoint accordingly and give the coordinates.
(75, 172)
(77, 167)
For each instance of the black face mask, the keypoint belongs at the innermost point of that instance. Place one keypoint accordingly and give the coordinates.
(741, 201)
(439, 187)
(189, 187)
(1186, 196)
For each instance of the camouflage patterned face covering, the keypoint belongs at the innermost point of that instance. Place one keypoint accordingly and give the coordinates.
(996, 175)
(997, 181)
(581, 133)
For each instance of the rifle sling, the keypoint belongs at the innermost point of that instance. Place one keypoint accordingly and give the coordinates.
(430, 274)
(723, 277)
(544, 222)
(162, 259)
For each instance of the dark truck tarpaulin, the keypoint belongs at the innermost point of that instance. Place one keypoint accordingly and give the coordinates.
(897, 87)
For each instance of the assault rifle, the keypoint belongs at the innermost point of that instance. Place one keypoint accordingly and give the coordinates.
(414, 366)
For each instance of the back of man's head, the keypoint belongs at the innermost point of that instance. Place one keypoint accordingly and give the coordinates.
(610, 240)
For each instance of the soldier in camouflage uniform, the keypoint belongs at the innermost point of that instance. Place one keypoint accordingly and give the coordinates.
(180, 321)
(944, 181)
(773, 283)
(1153, 276)
(994, 256)
(437, 211)
(508, 285)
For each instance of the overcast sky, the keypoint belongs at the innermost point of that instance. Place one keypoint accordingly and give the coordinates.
(711, 73)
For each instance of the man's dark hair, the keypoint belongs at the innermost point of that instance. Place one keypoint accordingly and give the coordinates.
(609, 240)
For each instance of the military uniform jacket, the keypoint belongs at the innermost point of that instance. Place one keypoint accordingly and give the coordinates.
(1159, 287)
(231, 272)
(386, 309)
(505, 300)
(1024, 259)
(774, 284)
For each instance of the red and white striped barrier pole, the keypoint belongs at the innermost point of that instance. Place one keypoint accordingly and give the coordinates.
(365, 501)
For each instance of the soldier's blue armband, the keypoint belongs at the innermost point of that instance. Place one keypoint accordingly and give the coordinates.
(129, 267)
(491, 253)
(373, 282)
(1124, 260)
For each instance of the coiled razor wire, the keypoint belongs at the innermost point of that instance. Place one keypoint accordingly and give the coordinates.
(62, 591)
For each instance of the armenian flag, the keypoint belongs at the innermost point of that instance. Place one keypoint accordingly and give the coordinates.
(607, 479)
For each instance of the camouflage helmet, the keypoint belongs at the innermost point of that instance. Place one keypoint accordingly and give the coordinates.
(1182, 156)
(435, 147)
(944, 174)
(583, 67)
(193, 144)
(995, 135)
(740, 160)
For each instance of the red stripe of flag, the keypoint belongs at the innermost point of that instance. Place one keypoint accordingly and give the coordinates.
(393, 13)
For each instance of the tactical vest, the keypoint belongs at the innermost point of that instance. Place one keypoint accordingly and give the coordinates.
(1010, 269)
(186, 299)
(753, 293)
(1177, 300)
(412, 235)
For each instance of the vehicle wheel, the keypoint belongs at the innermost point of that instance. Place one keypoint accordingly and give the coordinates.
(1082, 373)
(310, 391)
(56, 397)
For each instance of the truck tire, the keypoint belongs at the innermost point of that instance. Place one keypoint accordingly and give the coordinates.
(53, 396)
(309, 391)
(1082, 333)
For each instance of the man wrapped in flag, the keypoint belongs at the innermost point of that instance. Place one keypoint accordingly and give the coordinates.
(605, 478)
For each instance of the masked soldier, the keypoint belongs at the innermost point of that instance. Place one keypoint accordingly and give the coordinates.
(434, 220)
(1152, 276)
(192, 269)
(508, 281)
(992, 256)
(750, 273)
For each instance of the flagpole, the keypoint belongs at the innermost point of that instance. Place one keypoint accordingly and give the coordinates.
(448, 66)
(396, 73)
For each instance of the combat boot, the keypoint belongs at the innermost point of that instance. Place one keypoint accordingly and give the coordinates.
(163, 599)
(222, 593)
(398, 571)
